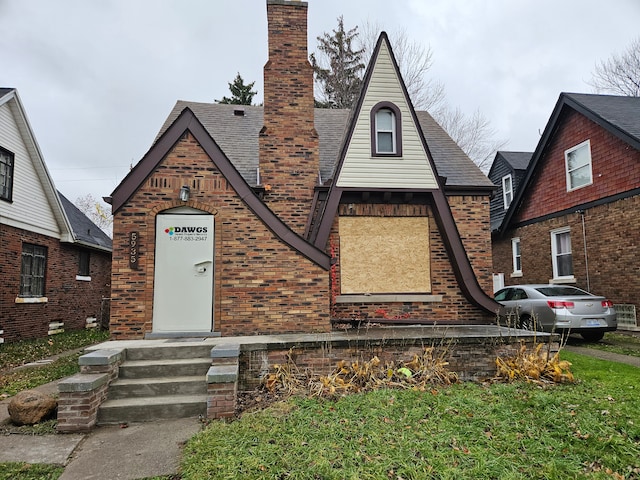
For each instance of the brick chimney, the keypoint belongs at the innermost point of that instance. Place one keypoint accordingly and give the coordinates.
(289, 152)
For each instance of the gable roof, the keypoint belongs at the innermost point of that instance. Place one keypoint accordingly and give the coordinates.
(10, 96)
(517, 160)
(85, 231)
(187, 121)
(618, 115)
(462, 268)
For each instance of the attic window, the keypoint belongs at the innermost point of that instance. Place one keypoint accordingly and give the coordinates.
(507, 190)
(6, 174)
(386, 130)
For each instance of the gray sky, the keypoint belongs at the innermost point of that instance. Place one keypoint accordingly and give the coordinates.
(98, 77)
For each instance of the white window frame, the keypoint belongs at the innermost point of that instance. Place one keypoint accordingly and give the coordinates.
(392, 131)
(555, 254)
(507, 194)
(584, 145)
(516, 257)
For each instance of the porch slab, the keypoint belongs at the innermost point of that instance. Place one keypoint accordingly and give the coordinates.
(460, 333)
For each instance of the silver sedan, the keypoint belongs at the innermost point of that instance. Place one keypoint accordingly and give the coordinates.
(556, 308)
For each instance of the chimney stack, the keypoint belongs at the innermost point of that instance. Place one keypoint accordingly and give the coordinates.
(289, 152)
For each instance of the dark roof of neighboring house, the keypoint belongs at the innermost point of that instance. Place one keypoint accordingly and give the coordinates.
(84, 230)
(619, 115)
(4, 91)
(517, 160)
(237, 136)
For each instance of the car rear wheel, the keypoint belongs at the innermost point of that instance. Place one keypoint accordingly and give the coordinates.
(592, 336)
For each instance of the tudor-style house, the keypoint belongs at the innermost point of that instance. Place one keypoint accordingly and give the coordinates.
(574, 217)
(55, 264)
(286, 218)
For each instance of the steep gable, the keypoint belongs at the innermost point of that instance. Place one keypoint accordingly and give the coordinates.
(188, 122)
(408, 170)
(412, 169)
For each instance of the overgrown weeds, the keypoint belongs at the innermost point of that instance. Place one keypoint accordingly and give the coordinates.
(428, 368)
(534, 365)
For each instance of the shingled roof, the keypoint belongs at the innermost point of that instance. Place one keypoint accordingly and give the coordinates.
(235, 129)
(85, 231)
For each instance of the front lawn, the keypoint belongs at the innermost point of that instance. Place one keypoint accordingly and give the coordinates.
(589, 429)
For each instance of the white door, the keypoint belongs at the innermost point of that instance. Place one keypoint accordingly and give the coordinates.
(183, 285)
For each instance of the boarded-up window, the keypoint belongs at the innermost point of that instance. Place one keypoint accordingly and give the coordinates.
(384, 255)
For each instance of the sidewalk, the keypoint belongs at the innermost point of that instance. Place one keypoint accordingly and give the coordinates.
(139, 451)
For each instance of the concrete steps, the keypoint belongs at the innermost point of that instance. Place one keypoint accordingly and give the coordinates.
(164, 382)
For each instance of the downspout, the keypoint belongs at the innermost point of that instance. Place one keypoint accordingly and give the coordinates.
(584, 242)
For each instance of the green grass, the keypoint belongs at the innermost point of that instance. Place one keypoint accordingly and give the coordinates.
(590, 429)
(14, 380)
(18, 353)
(616, 343)
(25, 471)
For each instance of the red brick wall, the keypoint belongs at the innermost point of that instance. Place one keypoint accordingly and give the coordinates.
(69, 300)
(261, 284)
(615, 169)
(472, 217)
(289, 152)
(613, 249)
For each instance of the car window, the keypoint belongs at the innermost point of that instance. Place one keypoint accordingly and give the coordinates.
(503, 294)
(519, 294)
(561, 291)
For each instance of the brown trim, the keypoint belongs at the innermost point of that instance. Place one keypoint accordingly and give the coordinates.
(461, 265)
(397, 140)
(188, 122)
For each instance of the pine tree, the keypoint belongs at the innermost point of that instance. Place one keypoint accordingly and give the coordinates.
(241, 93)
(338, 73)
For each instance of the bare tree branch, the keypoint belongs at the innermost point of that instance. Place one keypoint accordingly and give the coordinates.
(620, 74)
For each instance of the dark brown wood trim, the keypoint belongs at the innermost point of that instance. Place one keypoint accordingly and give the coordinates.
(187, 121)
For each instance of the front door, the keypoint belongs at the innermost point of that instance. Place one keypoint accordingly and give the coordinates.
(183, 280)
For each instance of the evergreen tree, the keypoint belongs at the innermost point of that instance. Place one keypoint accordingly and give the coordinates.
(241, 93)
(338, 68)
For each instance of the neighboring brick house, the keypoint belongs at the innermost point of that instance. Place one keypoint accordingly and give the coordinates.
(285, 218)
(506, 173)
(575, 217)
(55, 264)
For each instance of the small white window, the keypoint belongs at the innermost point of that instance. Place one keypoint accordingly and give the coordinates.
(515, 254)
(578, 164)
(507, 190)
(561, 256)
(385, 131)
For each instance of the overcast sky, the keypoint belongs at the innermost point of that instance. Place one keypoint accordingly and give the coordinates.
(99, 77)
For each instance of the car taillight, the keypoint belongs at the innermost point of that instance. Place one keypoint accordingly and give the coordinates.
(559, 304)
(607, 304)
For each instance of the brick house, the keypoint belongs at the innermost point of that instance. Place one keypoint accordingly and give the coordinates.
(55, 264)
(285, 218)
(574, 218)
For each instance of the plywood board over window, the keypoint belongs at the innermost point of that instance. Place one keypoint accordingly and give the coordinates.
(384, 255)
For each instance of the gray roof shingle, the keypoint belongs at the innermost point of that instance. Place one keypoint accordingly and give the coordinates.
(622, 112)
(237, 136)
(84, 230)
